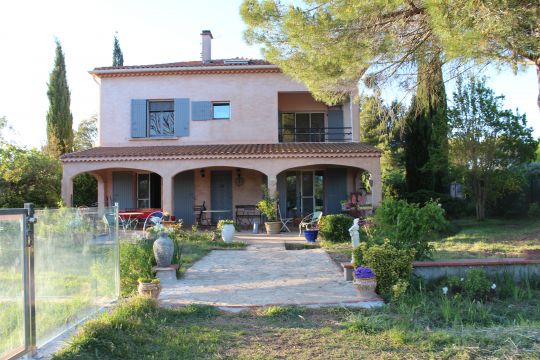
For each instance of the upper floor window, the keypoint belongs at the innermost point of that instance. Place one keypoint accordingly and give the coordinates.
(160, 118)
(221, 110)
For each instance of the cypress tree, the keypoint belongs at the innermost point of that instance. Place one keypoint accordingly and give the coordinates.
(118, 57)
(59, 118)
(426, 133)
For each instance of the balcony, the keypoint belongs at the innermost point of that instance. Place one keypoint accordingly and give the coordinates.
(323, 134)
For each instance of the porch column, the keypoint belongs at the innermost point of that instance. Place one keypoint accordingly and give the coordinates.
(272, 184)
(167, 194)
(376, 187)
(67, 189)
(100, 192)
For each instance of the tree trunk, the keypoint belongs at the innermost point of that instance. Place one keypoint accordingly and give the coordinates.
(480, 195)
(538, 77)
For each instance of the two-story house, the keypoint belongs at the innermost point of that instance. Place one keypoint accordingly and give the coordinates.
(175, 135)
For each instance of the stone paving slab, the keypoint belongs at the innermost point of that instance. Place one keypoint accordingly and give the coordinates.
(262, 275)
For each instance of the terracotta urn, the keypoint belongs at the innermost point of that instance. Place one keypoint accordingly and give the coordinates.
(163, 250)
(365, 285)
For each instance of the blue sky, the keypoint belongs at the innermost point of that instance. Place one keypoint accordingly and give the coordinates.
(156, 31)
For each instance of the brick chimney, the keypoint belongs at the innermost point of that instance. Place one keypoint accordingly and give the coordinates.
(206, 53)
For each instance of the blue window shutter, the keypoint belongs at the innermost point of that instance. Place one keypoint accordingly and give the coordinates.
(138, 118)
(181, 117)
(201, 110)
(336, 189)
(335, 120)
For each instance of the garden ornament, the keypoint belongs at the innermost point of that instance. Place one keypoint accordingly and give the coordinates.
(355, 234)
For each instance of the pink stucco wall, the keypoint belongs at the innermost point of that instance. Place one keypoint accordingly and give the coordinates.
(253, 98)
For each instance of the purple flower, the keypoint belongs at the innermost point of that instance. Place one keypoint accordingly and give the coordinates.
(363, 273)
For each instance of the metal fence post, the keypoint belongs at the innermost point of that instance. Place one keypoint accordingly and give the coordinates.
(29, 280)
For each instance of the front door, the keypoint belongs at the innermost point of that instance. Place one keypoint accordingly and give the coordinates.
(311, 191)
(221, 195)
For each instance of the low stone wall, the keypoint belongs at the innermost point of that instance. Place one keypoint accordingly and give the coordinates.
(519, 268)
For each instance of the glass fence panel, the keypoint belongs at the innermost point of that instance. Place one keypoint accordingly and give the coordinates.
(12, 332)
(76, 266)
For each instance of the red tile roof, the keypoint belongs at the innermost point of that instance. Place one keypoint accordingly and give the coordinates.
(226, 151)
(197, 63)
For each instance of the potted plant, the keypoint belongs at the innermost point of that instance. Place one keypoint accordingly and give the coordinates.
(365, 280)
(227, 229)
(311, 233)
(149, 287)
(268, 207)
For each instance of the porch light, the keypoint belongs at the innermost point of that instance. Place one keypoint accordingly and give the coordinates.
(202, 173)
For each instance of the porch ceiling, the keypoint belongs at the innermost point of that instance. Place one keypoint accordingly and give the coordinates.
(229, 151)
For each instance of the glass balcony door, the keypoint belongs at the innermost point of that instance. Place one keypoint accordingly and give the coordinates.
(302, 127)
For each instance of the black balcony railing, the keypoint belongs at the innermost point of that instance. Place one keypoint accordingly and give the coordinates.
(327, 134)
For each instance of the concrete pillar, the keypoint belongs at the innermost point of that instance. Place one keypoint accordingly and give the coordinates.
(67, 189)
(272, 184)
(100, 192)
(376, 188)
(167, 194)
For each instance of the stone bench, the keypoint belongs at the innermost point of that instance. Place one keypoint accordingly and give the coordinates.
(348, 269)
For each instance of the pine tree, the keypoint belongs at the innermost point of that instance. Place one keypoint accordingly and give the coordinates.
(59, 118)
(426, 138)
(118, 57)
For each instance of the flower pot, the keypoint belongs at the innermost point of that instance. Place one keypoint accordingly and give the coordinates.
(149, 289)
(365, 286)
(163, 250)
(227, 233)
(272, 227)
(311, 235)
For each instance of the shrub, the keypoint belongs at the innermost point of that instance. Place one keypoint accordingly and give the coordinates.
(392, 266)
(136, 261)
(534, 211)
(335, 228)
(477, 284)
(409, 226)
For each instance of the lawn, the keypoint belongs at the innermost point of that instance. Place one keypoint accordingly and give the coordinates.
(471, 239)
(489, 238)
(422, 325)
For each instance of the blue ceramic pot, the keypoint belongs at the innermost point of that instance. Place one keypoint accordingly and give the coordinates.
(311, 235)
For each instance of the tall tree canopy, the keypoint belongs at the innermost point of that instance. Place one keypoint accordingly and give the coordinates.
(59, 118)
(486, 138)
(331, 44)
(426, 128)
(86, 134)
(85, 185)
(118, 57)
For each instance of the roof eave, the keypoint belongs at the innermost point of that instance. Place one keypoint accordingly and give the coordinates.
(96, 72)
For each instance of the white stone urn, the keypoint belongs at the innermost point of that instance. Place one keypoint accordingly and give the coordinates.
(163, 250)
(227, 233)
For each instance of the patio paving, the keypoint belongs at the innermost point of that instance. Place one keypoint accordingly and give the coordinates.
(264, 274)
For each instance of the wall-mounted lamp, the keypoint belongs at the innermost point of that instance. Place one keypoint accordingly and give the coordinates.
(202, 173)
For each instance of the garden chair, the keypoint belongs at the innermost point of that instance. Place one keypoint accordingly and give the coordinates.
(153, 219)
(284, 221)
(310, 220)
(200, 215)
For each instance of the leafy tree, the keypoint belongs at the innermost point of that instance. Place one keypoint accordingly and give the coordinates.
(86, 134)
(28, 176)
(85, 185)
(59, 118)
(486, 139)
(331, 44)
(425, 134)
(118, 57)
(381, 126)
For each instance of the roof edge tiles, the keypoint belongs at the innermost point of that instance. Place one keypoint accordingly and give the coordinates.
(225, 151)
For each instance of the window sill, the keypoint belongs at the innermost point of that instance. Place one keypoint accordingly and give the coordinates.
(155, 138)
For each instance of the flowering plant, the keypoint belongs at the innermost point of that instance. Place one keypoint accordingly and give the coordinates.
(363, 273)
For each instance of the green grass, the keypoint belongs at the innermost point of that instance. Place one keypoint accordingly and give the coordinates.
(489, 238)
(420, 326)
(472, 239)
